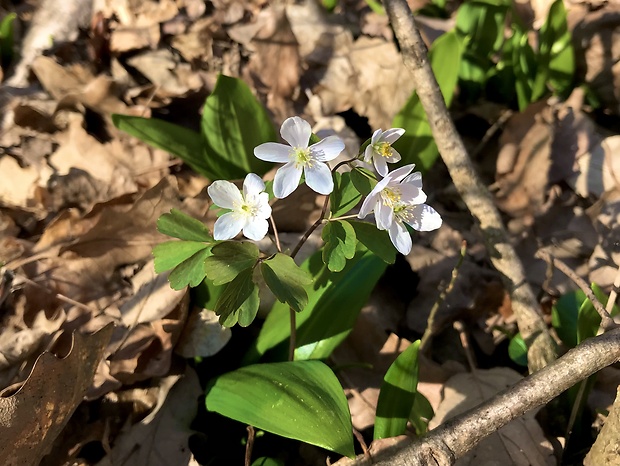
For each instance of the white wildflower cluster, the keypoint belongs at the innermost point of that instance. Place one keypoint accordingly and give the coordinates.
(397, 199)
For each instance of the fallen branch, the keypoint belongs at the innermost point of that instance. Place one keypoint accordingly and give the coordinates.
(475, 194)
(451, 440)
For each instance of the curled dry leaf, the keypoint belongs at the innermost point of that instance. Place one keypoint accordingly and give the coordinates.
(203, 335)
(32, 418)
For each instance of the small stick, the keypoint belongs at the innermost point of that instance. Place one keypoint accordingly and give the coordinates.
(360, 439)
(607, 323)
(428, 333)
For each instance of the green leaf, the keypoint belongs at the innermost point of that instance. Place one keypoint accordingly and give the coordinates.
(517, 350)
(363, 180)
(6, 39)
(333, 306)
(180, 225)
(170, 254)
(421, 413)
(182, 142)
(397, 394)
(286, 280)
(233, 124)
(190, 271)
(555, 59)
(377, 241)
(302, 400)
(339, 238)
(344, 196)
(229, 259)
(524, 66)
(417, 145)
(266, 461)
(238, 301)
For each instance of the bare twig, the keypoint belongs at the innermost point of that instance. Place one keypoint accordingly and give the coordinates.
(428, 333)
(443, 445)
(474, 193)
(607, 323)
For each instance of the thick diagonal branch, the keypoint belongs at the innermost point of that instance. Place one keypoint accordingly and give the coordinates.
(470, 187)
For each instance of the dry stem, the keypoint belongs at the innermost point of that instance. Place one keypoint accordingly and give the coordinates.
(470, 187)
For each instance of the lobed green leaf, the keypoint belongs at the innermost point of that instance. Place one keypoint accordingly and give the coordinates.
(339, 238)
(344, 196)
(229, 259)
(180, 225)
(286, 280)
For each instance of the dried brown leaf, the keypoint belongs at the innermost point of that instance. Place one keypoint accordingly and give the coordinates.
(32, 418)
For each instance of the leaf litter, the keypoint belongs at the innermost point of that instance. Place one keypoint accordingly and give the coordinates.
(79, 202)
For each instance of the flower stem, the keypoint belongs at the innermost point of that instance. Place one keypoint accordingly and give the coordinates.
(249, 446)
(344, 217)
(275, 233)
(293, 339)
(313, 227)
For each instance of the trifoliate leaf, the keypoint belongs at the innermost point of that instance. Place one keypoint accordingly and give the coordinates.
(339, 238)
(377, 241)
(344, 196)
(172, 253)
(238, 301)
(286, 280)
(229, 259)
(189, 272)
(363, 180)
(180, 225)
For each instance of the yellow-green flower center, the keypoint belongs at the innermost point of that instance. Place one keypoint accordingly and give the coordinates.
(249, 209)
(302, 157)
(391, 196)
(384, 149)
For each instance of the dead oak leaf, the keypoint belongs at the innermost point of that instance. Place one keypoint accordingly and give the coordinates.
(31, 419)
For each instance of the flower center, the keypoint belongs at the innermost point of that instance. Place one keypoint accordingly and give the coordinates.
(302, 157)
(249, 209)
(391, 196)
(403, 212)
(384, 149)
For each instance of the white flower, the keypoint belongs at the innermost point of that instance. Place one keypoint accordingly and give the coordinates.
(398, 199)
(299, 157)
(380, 150)
(249, 211)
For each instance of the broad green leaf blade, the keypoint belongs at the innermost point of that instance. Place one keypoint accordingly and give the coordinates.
(589, 321)
(363, 180)
(417, 145)
(286, 280)
(339, 238)
(190, 271)
(233, 124)
(333, 306)
(170, 254)
(377, 241)
(302, 400)
(229, 259)
(344, 196)
(180, 225)
(564, 316)
(421, 413)
(238, 301)
(182, 142)
(397, 394)
(524, 66)
(266, 461)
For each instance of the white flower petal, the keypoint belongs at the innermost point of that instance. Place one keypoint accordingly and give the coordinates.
(252, 185)
(384, 216)
(327, 149)
(368, 205)
(425, 218)
(400, 238)
(368, 153)
(256, 229)
(286, 180)
(319, 178)
(228, 226)
(376, 137)
(381, 165)
(392, 135)
(264, 209)
(296, 131)
(414, 179)
(224, 194)
(395, 157)
(400, 173)
(273, 152)
(411, 194)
